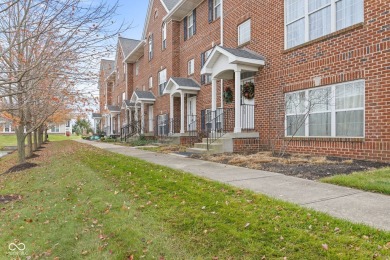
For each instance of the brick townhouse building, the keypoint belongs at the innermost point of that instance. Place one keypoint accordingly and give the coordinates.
(308, 75)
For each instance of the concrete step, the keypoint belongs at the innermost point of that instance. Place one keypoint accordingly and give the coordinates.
(196, 150)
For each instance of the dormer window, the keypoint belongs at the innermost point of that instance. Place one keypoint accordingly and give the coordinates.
(164, 36)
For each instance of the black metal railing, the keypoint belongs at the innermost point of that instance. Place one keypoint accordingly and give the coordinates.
(130, 130)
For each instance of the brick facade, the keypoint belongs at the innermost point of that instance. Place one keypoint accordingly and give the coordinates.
(358, 52)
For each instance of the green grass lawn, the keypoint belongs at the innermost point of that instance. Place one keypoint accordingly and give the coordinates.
(10, 140)
(377, 180)
(82, 202)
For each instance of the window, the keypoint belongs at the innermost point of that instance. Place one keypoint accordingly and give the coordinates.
(150, 47)
(244, 32)
(137, 68)
(123, 96)
(332, 111)
(191, 64)
(124, 68)
(205, 79)
(190, 25)
(307, 20)
(162, 81)
(164, 36)
(55, 129)
(215, 9)
(150, 82)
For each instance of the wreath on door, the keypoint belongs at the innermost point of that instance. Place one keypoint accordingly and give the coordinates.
(248, 90)
(228, 95)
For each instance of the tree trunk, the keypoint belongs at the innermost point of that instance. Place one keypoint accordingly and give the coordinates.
(29, 145)
(46, 136)
(40, 139)
(20, 138)
(35, 146)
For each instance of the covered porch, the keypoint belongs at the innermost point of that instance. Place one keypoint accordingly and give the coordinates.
(239, 65)
(136, 112)
(185, 91)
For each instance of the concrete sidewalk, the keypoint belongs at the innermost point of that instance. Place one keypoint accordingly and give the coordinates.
(346, 203)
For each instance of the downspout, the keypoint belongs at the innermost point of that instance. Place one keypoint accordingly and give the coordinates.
(222, 34)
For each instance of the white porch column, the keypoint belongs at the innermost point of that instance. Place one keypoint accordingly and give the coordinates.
(182, 130)
(111, 128)
(213, 103)
(136, 118)
(142, 117)
(237, 98)
(171, 113)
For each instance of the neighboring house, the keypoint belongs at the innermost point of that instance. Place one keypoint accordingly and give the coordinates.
(258, 74)
(6, 127)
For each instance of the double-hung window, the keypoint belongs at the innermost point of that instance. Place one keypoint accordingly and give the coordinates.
(150, 47)
(217, 9)
(190, 25)
(244, 32)
(137, 68)
(162, 81)
(150, 82)
(331, 111)
(164, 36)
(205, 79)
(191, 67)
(307, 20)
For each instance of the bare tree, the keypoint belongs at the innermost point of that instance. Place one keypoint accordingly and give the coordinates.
(47, 47)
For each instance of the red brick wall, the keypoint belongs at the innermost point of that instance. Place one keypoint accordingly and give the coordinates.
(241, 145)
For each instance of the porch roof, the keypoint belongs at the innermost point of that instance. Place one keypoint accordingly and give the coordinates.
(142, 96)
(94, 115)
(175, 85)
(224, 59)
(114, 109)
(128, 104)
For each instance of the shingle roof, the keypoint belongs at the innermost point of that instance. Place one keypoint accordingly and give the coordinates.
(114, 108)
(107, 66)
(145, 95)
(128, 45)
(243, 53)
(170, 3)
(184, 82)
(96, 115)
(129, 103)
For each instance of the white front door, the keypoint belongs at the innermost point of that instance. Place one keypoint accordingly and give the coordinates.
(247, 109)
(150, 119)
(191, 114)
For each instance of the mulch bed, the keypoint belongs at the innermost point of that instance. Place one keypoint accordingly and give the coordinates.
(306, 170)
(318, 171)
(4, 199)
(20, 167)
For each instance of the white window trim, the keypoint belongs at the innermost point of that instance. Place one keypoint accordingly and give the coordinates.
(137, 68)
(250, 32)
(150, 44)
(333, 24)
(333, 111)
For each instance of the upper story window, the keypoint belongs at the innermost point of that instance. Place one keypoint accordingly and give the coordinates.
(150, 82)
(215, 9)
(191, 67)
(150, 47)
(123, 96)
(331, 111)
(190, 25)
(307, 20)
(244, 32)
(162, 81)
(205, 79)
(137, 68)
(164, 36)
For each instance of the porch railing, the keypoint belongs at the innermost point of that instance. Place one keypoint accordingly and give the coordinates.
(130, 130)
